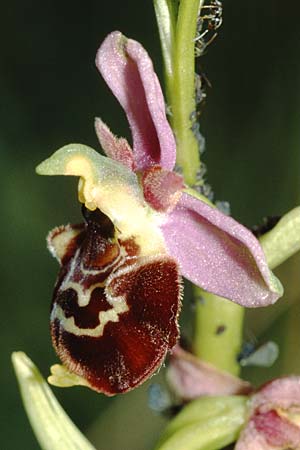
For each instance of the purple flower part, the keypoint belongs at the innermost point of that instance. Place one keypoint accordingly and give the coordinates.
(218, 254)
(162, 188)
(213, 250)
(115, 148)
(251, 439)
(190, 378)
(269, 431)
(280, 393)
(277, 431)
(271, 414)
(128, 71)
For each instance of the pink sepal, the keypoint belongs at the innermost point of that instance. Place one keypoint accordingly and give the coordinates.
(128, 71)
(250, 439)
(269, 431)
(218, 254)
(277, 431)
(270, 424)
(280, 393)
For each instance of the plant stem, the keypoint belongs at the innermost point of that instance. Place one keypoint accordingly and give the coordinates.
(218, 331)
(283, 240)
(219, 322)
(177, 35)
(166, 20)
(183, 101)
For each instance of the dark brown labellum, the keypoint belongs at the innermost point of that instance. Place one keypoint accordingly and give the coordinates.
(114, 311)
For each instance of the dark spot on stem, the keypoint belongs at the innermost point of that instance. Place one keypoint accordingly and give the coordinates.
(220, 329)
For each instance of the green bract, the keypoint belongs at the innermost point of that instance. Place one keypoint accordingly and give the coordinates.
(53, 429)
(208, 423)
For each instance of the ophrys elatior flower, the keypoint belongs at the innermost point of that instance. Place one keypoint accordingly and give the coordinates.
(117, 298)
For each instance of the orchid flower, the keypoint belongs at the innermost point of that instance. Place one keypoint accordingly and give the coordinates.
(274, 413)
(117, 298)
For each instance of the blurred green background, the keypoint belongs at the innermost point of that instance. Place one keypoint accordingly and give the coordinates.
(50, 93)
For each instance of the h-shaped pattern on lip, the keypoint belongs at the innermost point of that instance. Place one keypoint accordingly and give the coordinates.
(112, 325)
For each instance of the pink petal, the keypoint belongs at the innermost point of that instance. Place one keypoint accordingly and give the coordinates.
(267, 429)
(115, 148)
(162, 188)
(266, 425)
(128, 71)
(251, 439)
(276, 430)
(218, 254)
(281, 393)
(189, 377)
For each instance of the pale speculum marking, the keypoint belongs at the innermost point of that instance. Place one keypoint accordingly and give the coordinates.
(83, 296)
(112, 315)
(80, 276)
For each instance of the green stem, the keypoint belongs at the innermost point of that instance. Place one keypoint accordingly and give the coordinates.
(219, 322)
(178, 48)
(218, 331)
(283, 240)
(177, 35)
(183, 92)
(165, 12)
